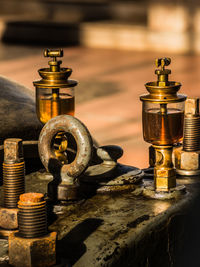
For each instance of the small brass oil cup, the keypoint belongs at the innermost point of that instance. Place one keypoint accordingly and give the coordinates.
(54, 92)
(162, 118)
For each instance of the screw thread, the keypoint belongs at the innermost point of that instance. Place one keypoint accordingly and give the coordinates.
(13, 183)
(191, 133)
(32, 215)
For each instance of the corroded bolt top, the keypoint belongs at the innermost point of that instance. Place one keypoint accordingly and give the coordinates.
(29, 198)
(192, 106)
(13, 150)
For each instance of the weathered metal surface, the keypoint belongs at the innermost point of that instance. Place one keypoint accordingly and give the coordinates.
(123, 229)
(34, 252)
(3, 252)
(8, 218)
(103, 178)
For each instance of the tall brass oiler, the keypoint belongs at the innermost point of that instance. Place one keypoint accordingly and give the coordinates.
(54, 92)
(163, 116)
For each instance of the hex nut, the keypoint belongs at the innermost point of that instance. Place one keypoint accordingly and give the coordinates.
(192, 106)
(8, 218)
(164, 172)
(186, 160)
(34, 252)
(164, 184)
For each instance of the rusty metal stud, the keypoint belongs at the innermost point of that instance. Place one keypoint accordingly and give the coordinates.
(32, 217)
(191, 135)
(187, 157)
(32, 246)
(13, 172)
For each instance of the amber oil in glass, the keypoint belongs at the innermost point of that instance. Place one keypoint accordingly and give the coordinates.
(52, 105)
(163, 126)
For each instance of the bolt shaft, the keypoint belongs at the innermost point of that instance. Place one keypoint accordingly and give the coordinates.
(32, 215)
(13, 172)
(191, 140)
(191, 130)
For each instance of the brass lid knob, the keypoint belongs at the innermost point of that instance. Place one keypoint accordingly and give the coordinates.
(163, 91)
(55, 76)
(54, 53)
(163, 73)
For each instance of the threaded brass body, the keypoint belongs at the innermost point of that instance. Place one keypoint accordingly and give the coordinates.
(32, 216)
(191, 135)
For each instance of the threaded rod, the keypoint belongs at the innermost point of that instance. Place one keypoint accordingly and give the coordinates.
(191, 135)
(32, 216)
(13, 172)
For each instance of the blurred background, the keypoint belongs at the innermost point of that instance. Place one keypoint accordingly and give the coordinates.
(111, 45)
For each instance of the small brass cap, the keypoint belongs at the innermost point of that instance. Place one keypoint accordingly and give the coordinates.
(163, 91)
(54, 76)
(54, 64)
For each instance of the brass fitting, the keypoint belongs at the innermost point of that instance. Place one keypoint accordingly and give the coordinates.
(164, 172)
(13, 184)
(32, 246)
(187, 157)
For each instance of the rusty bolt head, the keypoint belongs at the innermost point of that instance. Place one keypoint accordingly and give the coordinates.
(33, 252)
(192, 106)
(13, 150)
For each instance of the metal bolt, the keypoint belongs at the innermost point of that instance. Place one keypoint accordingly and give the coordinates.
(32, 216)
(13, 172)
(191, 131)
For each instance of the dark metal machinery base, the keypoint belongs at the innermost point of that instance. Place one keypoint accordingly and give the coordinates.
(126, 229)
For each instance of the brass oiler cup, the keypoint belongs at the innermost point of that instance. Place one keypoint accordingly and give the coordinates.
(162, 118)
(55, 91)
